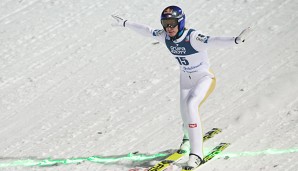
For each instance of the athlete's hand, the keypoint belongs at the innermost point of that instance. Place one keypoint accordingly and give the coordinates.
(243, 35)
(120, 22)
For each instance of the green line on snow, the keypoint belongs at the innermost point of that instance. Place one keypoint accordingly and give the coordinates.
(129, 157)
(94, 159)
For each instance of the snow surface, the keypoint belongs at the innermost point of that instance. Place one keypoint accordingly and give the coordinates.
(73, 86)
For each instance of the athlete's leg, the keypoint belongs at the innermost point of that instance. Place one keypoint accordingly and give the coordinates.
(185, 145)
(193, 100)
(184, 110)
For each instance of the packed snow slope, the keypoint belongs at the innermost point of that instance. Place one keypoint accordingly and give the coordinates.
(73, 86)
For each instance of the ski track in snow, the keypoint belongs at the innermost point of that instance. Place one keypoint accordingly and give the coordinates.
(73, 86)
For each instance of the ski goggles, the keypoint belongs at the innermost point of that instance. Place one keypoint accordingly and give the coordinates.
(172, 23)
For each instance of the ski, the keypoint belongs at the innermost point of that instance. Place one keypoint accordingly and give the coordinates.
(175, 157)
(216, 150)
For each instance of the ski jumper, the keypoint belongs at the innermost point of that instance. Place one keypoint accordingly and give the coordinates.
(196, 80)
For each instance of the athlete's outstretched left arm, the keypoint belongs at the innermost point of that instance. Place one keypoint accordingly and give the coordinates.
(139, 28)
(200, 41)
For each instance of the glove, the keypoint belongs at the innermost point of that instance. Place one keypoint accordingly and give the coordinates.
(119, 21)
(242, 36)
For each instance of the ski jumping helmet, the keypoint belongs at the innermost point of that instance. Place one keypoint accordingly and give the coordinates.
(174, 12)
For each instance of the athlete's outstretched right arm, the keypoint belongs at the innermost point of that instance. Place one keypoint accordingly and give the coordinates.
(140, 28)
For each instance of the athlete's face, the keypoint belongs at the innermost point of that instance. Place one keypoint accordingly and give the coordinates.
(172, 31)
(171, 26)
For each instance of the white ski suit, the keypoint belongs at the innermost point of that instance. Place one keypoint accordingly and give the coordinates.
(196, 79)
